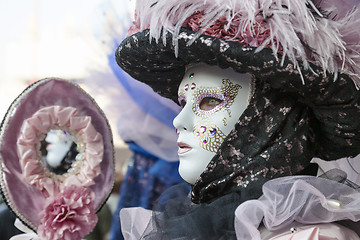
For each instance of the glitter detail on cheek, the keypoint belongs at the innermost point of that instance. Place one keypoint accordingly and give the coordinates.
(225, 121)
(229, 112)
(208, 135)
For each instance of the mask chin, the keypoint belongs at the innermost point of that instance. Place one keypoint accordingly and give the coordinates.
(212, 101)
(192, 166)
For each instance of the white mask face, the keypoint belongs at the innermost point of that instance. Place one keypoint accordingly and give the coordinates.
(212, 100)
(58, 146)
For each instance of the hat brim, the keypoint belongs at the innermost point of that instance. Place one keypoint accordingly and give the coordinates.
(155, 63)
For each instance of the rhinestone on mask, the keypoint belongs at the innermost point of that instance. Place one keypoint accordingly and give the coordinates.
(202, 129)
(193, 86)
(186, 87)
(213, 131)
(191, 75)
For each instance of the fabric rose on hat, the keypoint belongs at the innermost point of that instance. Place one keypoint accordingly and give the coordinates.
(253, 35)
(68, 215)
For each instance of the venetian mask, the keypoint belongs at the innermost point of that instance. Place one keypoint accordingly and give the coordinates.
(58, 146)
(212, 100)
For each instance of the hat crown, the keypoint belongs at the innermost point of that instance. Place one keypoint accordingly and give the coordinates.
(318, 32)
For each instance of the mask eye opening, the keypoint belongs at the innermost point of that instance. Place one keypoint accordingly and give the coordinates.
(209, 103)
(217, 101)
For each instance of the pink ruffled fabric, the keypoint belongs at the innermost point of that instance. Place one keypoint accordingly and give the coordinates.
(69, 215)
(288, 201)
(349, 165)
(325, 231)
(39, 124)
(135, 28)
(253, 36)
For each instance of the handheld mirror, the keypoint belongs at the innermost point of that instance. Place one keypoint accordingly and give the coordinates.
(55, 145)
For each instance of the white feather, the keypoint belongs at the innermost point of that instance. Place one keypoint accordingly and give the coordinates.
(333, 39)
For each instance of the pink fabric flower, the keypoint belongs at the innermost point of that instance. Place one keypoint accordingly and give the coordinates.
(254, 35)
(70, 215)
(135, 28)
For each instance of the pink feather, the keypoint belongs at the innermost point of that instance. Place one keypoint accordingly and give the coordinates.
(325, 33)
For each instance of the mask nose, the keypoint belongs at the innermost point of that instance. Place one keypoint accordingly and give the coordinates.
(182, 122)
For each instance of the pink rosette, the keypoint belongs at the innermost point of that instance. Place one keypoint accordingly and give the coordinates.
(69, 215)
(68, 119)
(254, 35)
(135, 27)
